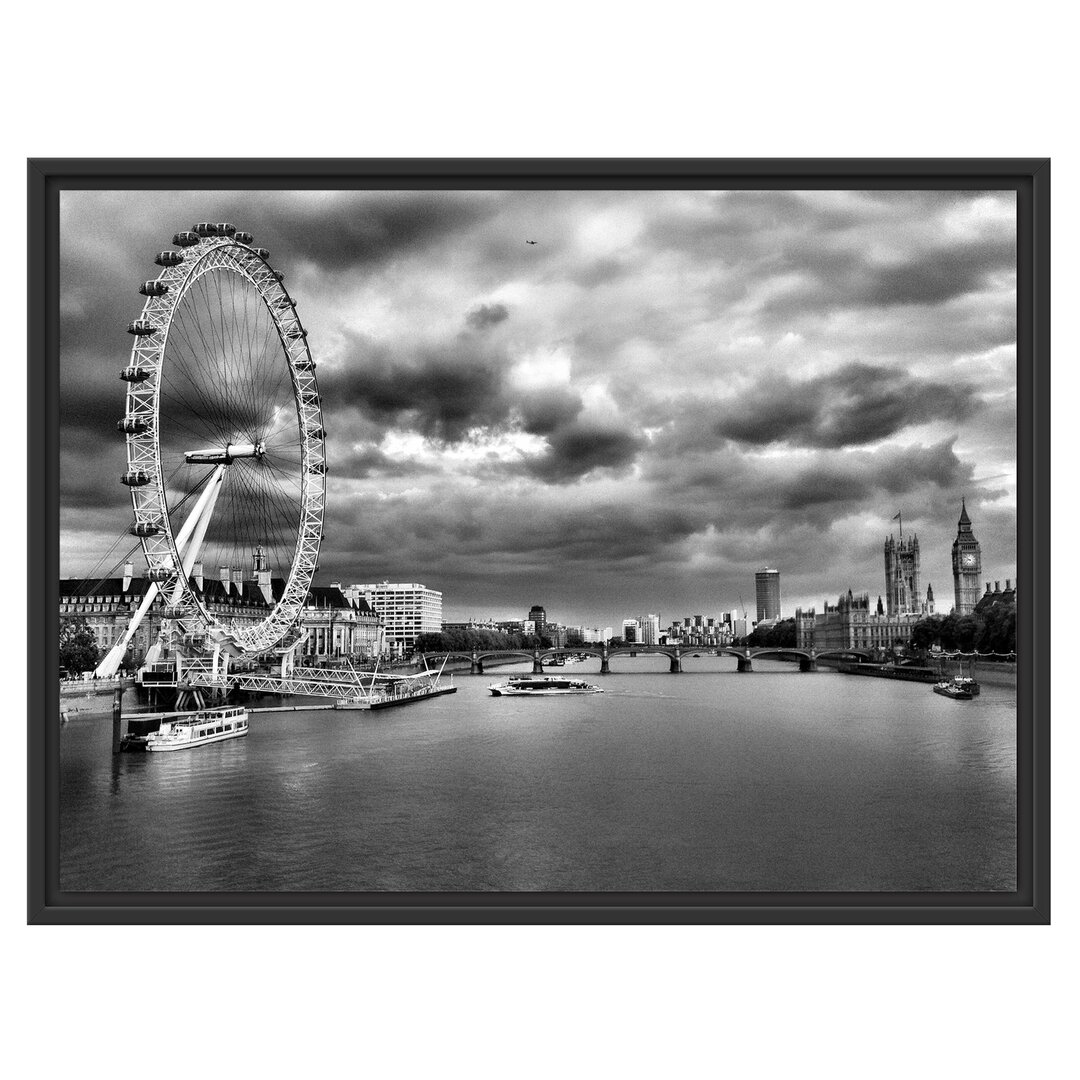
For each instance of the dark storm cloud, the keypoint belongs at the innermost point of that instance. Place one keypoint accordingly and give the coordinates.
(544, 410)
(90, 470)
(579, 448)
(334, 230)
(369, 227)
(939, 274)
(825, 254)
(442, 390)
(485, 315)
(360, 462)
(853, 478)
(855, 404)
(847, 278)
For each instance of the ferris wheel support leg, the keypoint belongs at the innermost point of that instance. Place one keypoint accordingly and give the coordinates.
(111, 664)
(204, 510)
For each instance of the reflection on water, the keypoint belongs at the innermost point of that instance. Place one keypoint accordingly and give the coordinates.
(704, 781)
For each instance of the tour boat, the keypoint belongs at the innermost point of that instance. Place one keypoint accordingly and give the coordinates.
(966, 683)
(182, 731)
(951, 690)
(542, 685)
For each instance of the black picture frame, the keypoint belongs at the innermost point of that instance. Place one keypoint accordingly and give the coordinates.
(1030, 904)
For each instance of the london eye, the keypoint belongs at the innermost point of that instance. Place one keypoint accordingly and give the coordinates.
(226, 460)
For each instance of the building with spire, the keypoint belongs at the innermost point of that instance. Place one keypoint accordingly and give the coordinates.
(902, 594)
(966, 565)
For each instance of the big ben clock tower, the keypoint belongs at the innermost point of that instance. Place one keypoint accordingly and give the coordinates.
(966, 565)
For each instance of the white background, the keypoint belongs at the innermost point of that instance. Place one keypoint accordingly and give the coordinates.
(560, 79)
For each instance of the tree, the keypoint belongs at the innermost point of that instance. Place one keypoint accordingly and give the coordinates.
(78, 646)
(999, 630)
(779, 636)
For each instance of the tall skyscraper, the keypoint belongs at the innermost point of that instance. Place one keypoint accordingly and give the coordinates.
(767, 583)
(966, 565)
(538, 617)
(902, 594)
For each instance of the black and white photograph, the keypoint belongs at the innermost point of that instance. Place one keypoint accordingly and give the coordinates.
(515, 540)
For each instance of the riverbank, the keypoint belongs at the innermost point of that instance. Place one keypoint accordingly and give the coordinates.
(984, 671)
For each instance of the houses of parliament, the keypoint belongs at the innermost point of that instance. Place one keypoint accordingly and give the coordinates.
(852, 622)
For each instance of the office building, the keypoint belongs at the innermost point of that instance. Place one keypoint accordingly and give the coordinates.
(767, 584)
(538, 617)
(406, 609)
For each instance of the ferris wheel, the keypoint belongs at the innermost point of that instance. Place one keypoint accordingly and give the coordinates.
(226, 459)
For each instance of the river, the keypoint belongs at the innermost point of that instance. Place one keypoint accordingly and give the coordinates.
(705, 781)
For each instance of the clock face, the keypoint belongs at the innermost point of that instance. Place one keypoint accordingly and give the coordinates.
(968, 560)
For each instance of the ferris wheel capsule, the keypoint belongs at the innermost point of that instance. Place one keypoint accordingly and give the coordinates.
(225, 229)
(205, 228)
(145, 528)
(159, 574)
(169, 258)
(243, 237)
(141, 327)
(153, 288)
(263, 253)
(135, 374)
(132, 425)
(136, 478)
(186, 239)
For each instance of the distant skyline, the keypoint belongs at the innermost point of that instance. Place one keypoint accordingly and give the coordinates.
(667, 392)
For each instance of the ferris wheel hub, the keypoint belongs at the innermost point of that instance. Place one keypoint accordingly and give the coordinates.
(223, 455)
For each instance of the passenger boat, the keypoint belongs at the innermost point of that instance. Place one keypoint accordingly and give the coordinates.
(951, 690)
(542, 686)
(966, 683)
(182, 731)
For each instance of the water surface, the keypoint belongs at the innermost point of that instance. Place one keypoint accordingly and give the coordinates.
(705, 781)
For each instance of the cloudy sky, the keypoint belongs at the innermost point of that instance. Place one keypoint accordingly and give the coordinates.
(666, 392)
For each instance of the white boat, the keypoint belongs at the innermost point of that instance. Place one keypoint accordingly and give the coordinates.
(542, 686)
(182, 731)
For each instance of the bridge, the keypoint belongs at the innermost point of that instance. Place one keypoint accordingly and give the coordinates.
(745, 657)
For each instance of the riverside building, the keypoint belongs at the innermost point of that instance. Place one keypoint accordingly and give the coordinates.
(335, 626)
(853, 623)
(406, 609)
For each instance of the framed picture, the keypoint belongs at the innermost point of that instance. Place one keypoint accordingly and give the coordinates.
(539, 541)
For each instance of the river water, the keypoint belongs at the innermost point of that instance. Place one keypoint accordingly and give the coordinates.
(705, 781)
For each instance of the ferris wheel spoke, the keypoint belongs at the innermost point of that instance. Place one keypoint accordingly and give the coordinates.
(208, 357)
(186, 365)
(269, 526)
